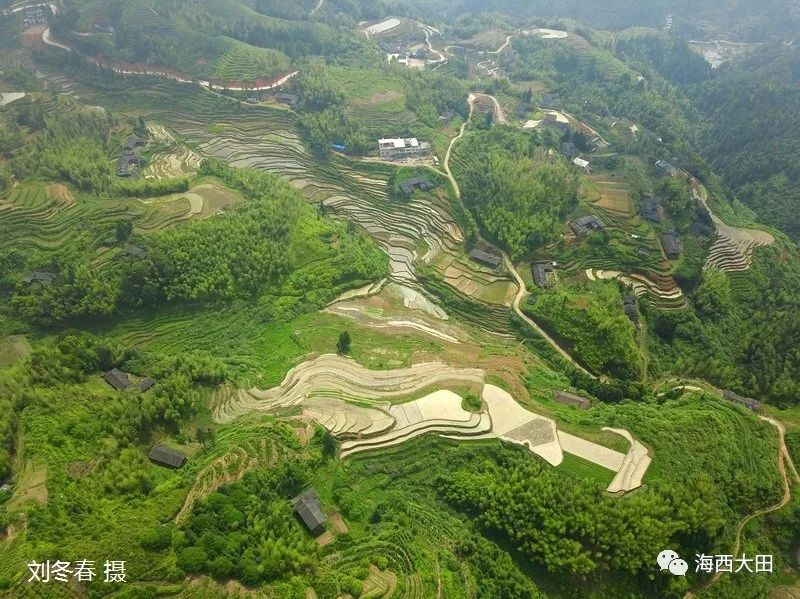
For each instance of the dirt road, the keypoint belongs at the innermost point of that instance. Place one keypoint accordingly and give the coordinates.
(506, 259)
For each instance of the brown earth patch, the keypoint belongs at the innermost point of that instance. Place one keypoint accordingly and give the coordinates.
(56, 191)
(33, 36)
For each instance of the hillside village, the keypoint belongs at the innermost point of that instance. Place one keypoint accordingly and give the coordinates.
(323, 327)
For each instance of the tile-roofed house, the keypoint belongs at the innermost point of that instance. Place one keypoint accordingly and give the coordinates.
(486, 258)
(569, 399)
(701, 229)
(39, 276)
(581, 226)
(447, 115)
(541, 274)
(651, 210)
(166, 456)
(671, 244)
(569, 149)
(117, 379)
(421, 183)
(133, 143)
(308, 507)
(550, 102)
(145, 384)
(134, 251)
(125, 164)
(288, 99)
(629, 306)
(643, 252)
(748, 402)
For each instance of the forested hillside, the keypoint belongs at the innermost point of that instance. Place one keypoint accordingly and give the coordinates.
(398, 298)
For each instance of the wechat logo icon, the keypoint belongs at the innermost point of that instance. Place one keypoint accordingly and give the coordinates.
(670, 560)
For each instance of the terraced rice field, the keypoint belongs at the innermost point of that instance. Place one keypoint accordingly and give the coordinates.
(39, 217)
(266, 140)
(612, 195)
(365, 408)
(733, 249)
(663, 292)
(201, 201)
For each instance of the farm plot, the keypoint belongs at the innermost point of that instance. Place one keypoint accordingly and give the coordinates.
(663, 292)
(202, 201)
(366, 409)
(266, 140)
(733, 249)
(479, 285)
(610, 194)
(39, 217)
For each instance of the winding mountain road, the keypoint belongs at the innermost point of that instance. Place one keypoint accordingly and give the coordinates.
(507, 261)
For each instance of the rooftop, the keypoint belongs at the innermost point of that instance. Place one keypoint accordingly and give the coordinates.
(308, 507)
(492, 260)
(39, 276)
(570, 399)
(166, 456)
(117, 379)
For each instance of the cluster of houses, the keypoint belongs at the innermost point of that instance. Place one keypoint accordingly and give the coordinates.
(408, 53)
(403, 148)
(34, 16)
(130, 159)
(583, 225)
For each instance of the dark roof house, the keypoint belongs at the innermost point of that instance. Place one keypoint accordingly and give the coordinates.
(145, 384)
(134, 142)
(289, 99)
(748, 402)
(134, 251)
(486, 258)
(421, 183)
(568, 399)
(166, 456)
(581, 226)
(569, 149)
(38, 276)
(117, 379)
(550, 102)
(671, 244)
(125, 164)
(307, 505)
(541, 274)
(629, 306)
(651, 210)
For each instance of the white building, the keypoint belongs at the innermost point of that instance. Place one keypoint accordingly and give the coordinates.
(399, 148)
(584, 164)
